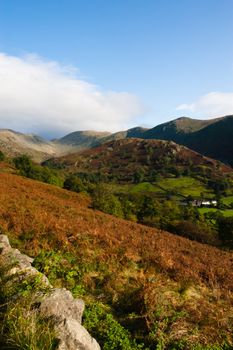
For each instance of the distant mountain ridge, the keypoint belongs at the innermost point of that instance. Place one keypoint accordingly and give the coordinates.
(212, 138)
(182, 125)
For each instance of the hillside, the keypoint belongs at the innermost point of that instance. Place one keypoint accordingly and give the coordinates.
(122, 158)
(163, 288)
(14, 143)
(212, 138)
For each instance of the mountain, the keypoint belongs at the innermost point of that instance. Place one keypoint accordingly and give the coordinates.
(14, 143)
(131, 277)
(134, 132)
(212, 138)
(215, 140)
(82, 139)
(177, 128)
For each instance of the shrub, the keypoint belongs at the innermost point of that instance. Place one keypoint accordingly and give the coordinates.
(61, 270)
(139, 175)
(109, 333)
(73, 183)
(24, 165)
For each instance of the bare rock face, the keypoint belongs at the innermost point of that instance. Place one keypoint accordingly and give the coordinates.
(61, 305)
(57, 304)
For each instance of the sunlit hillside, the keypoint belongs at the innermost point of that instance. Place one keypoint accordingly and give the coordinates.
(162, 288)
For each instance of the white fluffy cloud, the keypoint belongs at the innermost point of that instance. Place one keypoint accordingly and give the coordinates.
(48, 98)
(214, 104)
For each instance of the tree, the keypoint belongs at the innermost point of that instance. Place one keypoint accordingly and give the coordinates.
(73, 183)
(139, 175)
(148, 209)
(24, 165)
(104, 200)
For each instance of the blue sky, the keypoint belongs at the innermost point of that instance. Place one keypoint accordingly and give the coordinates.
(148, 61)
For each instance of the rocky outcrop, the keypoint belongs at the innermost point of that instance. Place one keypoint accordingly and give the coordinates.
(55, 304)
(61, 305)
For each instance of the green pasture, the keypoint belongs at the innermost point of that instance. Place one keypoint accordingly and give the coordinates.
(185, 186)
(226, 212)
(177, 187)
(227, 200)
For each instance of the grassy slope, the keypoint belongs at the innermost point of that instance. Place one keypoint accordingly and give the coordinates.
(125, 260)
(60, 216)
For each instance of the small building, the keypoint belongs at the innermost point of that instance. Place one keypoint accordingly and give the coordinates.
(200, 203)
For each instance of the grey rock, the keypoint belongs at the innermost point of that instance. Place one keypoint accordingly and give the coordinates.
(21, 260)
(61, 305)
(20, 265)
(73, 336)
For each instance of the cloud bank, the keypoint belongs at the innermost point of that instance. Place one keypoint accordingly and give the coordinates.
(211, 105)
(47, 98)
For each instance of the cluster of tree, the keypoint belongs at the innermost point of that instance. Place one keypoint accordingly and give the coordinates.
(166, 215)
(27, 168)
(76, 184)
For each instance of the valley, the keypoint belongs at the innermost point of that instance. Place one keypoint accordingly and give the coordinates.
(123, 225)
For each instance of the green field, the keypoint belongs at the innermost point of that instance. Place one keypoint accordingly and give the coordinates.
(227, 200)
(226, 212)
(183, 186)
(145, 187)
